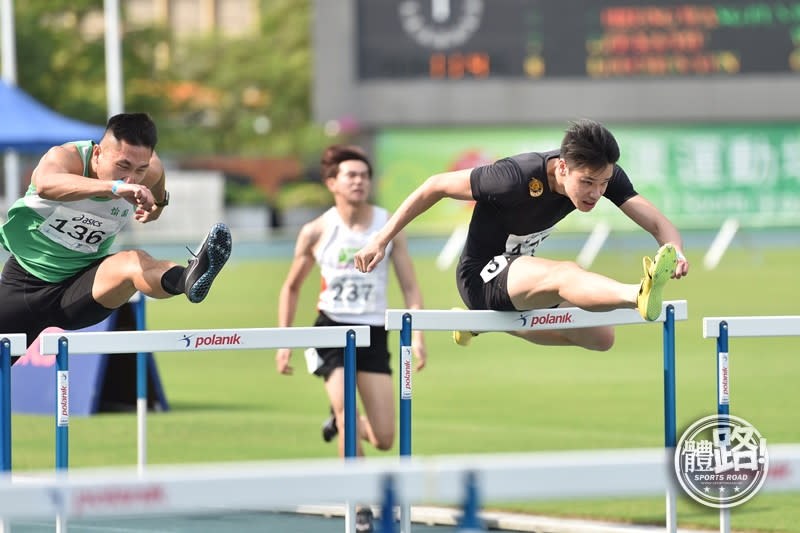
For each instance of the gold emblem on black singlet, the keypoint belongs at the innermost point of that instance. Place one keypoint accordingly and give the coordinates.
(535, 187)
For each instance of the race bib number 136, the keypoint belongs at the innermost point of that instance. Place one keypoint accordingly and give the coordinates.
(78, 231)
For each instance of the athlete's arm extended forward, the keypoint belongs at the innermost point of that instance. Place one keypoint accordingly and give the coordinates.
(447, 185)
(647, 215)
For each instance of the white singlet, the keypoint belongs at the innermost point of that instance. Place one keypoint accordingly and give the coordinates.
(348, 295)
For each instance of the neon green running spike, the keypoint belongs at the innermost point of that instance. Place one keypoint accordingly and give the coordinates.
(656, 274)
(462, 338)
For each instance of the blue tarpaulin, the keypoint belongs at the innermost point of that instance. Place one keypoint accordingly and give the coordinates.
(28, 126)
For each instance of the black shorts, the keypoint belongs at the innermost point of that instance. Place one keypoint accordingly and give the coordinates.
(30, 304)
(492, 294)
(372, 358)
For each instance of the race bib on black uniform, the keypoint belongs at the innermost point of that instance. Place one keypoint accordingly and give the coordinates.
(515, 245)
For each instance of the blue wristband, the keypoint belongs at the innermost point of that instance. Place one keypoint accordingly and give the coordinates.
(680, 255)
(117, 183)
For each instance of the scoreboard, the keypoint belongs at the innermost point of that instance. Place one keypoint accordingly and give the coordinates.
(528, 39)
(418, 62)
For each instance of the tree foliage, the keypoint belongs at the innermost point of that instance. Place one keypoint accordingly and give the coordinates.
(253, 93)
(62, 63)
(212, 95)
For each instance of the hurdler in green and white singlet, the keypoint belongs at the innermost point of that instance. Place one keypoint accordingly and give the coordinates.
(54, 240)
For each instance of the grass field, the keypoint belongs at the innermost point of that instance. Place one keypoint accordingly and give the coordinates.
(499, 395)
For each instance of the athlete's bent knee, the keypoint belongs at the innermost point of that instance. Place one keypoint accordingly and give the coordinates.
(131, 260)
(384, 440)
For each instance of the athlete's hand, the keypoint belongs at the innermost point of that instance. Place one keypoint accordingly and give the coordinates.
(369, 256)
(148, 216)
(682, 268)
(137, 195)
(282, 361)
(421, 353)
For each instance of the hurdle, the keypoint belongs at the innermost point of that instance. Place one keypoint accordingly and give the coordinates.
(722, 328)
(116, 342)
(14, 344)
(540, 319)
(281, 484)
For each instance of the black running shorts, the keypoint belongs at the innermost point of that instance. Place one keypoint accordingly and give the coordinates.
(493, 294)
(30, 304)
(373, 358)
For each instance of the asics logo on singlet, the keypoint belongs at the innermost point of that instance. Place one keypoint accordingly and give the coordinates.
(529, 321)
(88, 221)
(196, 341)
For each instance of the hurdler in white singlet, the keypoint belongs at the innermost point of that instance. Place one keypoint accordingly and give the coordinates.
(348, 295)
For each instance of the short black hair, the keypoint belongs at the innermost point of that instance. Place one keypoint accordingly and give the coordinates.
(136, 129)
(338, 153)
(589, 144)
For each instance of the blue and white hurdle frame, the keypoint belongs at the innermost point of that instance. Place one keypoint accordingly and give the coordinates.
(405, 320)
(10, 345)
(722, 328)
(120, 342)
(117, 342)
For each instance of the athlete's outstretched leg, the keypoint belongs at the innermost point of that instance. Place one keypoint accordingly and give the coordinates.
(120, 275)
(536, 283)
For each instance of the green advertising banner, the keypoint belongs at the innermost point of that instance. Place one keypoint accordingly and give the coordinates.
(699, 175)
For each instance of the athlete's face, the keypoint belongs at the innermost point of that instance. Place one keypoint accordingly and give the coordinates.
(584, 186)
(118, 160)
(352, 182)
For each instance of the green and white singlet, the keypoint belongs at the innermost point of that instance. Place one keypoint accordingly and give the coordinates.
(54, 240)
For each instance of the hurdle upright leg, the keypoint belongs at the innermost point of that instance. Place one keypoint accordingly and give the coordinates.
(5, 405)
(141, 391)
(670, 430)
(723, 405)
(10, 345)
(350, 433)
(5, 413)
(405, 386)
(405, 408)
(62, 405)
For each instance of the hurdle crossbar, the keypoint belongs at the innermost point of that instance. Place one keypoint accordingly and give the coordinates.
(538, 319)
(120, 342)
(180, 340)
(197, 488)
(753, 326)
